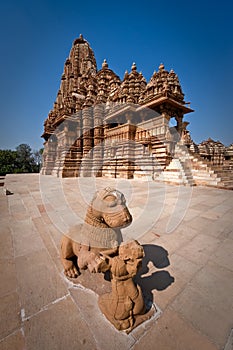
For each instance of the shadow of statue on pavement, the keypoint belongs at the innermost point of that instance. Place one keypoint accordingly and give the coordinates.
(158, 280)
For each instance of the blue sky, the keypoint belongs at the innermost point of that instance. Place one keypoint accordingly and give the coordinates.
(195, 38)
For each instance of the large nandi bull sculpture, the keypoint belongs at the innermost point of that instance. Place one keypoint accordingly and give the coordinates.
(97, 245)
(106, 215)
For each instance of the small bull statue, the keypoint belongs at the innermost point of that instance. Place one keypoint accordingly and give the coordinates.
(106, 215)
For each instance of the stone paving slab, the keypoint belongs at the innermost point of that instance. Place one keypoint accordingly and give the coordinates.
(207, 302)
(110, 338)
(59, 326)
(187, 234)
(15, 341)
(10, 314)
(229, 345)
(172, 331)
(39, 282)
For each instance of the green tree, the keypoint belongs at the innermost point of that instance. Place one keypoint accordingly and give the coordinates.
(25, 160)
(37, 155)
(7, 162)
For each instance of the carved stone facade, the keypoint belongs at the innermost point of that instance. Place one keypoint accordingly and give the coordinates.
(102, 126)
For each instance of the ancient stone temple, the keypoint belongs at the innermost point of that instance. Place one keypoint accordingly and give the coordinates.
(102, 126)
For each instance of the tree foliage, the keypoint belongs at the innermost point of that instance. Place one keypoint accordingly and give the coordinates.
(23, 160)
(7, 162)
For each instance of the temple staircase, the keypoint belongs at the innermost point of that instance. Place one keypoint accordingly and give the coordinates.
(225, 173)
(177, 172)
(189, 168)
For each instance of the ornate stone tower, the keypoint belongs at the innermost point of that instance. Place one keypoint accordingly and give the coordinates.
(102, 126)
(67, 128)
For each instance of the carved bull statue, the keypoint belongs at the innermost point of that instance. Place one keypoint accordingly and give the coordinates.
(101, 230)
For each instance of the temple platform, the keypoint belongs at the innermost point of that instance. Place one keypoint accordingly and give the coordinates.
(187, 273)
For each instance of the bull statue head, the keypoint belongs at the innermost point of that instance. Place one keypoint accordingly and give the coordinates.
(108, 208)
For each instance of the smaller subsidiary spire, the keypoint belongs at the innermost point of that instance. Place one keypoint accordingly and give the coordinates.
(79, 40)
(161, 67)
(126, 75)
(105, 64)
(134, 67)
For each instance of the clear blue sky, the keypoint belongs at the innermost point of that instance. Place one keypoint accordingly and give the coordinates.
(195, 38)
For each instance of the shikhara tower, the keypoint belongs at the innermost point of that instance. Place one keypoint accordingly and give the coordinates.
(102, 126)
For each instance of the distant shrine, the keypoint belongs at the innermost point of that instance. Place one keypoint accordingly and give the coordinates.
(101, 125)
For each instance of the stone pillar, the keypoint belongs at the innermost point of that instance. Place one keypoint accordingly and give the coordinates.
(87, 135)
(72, 147)
(49, 155)
(78, 144)
(179, 125)
(106, 152)
(98, 140)
(62, 148)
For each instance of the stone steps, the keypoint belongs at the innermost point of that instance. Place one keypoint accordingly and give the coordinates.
(205, 173)
(187, 168)
(176, 172)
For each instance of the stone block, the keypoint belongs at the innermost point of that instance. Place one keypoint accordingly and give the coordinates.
(182, 268)
(60, 326)
(171, 331)
(7, 276)
(25, 236)
(6, 242)
(223, 255)
(43, 230)
(14, 341)
(206, 303)
(9, 314)
(39, 281)
(199, 249)
(107, 337)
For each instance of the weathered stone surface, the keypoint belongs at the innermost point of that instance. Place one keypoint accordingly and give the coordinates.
(205, 303)
(26, 239)
(61, 326)
(182, 270)
(97, 283)
(50, 236)
(223, 255)
(6, 242)
(14, 341)
(199, 248)
(8, 275)
(9, 314)
(105, 334)
(171, 331)
(39, 281)
(229, 344)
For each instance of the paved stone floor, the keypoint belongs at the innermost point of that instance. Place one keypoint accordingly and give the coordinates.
(187, 234)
